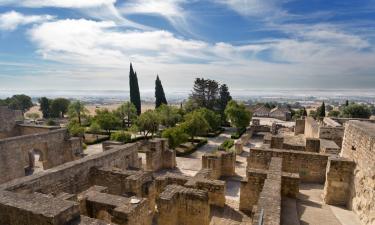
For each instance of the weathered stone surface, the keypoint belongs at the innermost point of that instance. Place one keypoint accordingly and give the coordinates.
(359, 146)
(310, 166)
(221, 163)
(338, 178)
(179, 205)
(159, 156)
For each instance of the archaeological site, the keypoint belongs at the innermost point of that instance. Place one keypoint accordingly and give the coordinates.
(314, 172)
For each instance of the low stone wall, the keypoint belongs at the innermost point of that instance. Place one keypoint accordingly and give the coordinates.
(299, 128)
(74, 177)
(268, 207)
(310, 166)
(214, 188)
(221, 163)
(338, 178)
(55, 148)
(252, 185)
(179, 205)
(8, 121)
(159, 156)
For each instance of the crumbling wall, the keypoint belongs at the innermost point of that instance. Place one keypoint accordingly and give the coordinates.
(74, 177)
(8, 121)
(359, 146)
(299, 128)
(159, 156)
(268, 207)
(221, 163)
(55, 146)
(310, 166)
(338, 178)
(179, 205)
(311, 128)
(335, 134)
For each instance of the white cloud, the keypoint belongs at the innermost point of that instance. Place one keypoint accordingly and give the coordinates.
(100, 49)
(11, 20)
(264, 8)
(58, 3)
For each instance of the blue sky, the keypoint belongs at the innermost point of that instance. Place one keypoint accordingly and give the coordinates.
(88, 44)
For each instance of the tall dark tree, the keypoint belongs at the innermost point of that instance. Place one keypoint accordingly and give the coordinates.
(347, 103)
(304, 112)
(45, 106)
(223, 99)
(159, 93)
(322, 110)
(135, 96)
(205, 93)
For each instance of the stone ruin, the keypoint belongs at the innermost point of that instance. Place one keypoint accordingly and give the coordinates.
(20, 143)
(112, 187)
(275, 170)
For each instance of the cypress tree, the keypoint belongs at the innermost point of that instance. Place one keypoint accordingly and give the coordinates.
(159, 93)
(322, 110)
(135, 97)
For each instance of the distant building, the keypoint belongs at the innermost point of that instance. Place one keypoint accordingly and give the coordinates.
(281, 113)
(261, 111)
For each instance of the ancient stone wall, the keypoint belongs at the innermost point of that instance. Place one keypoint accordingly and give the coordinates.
(8, 121)
(313, 145)
(335, 134)
(310, 166)
(359, 146)
(268, 207)
(311, 128)
(179, 205)
(55, 148)
(221, 163)
(74, 177)
(159, 156)
(252, 186)
(299, 128)
(338, 178)
(214, 188)
(25, 129)
(125, 182)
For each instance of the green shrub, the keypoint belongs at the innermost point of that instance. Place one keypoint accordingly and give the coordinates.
(84, 146)
(51, 122)
(226, 145)
(238, 134)
(121, 136)
(176, 136)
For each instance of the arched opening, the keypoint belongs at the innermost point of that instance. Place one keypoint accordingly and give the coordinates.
(35, 162)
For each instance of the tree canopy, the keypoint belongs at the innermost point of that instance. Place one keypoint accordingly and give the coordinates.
(59, 107)
(195, 124)
(77, 110)
(356, 111)
(45, 107)
(106, 120)
(205, 92)
(148, 122)
(18, 102)
(127, 113)
(239, 116)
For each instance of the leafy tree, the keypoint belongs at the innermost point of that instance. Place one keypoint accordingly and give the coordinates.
(121, 136)
(77, 110)
(334, 113)
(205, 93)
(195, 124)
(148, 122)
(190, 105)
(127, 113)
(270, 105)
(94, 127)
(106, 120)
(33, 116)
(299, 113)
(213, 119)
(45, 106)
(159, 93)
(135, 96)
(347, 103)
(51, 122)
(224, 98)
(19, 102)
(356, 111)
(169, 115)
(238, 114)
(59, 107)
(176, 136)
(75, 129)
(313, 114)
